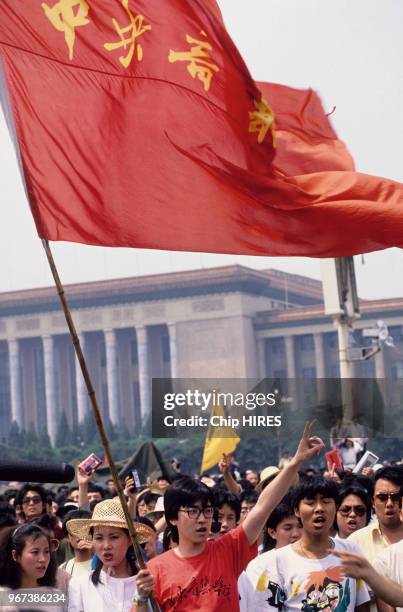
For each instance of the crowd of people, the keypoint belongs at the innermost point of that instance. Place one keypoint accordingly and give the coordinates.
(288, 538)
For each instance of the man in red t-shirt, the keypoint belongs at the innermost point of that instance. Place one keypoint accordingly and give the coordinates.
(200, 574)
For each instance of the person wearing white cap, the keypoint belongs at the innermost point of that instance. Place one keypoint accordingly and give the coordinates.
(111, 585)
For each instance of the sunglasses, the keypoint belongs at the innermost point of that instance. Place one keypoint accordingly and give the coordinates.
(384, 497)
(35, 499)
(358, 510)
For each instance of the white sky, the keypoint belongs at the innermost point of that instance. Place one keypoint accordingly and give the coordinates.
(348, 50)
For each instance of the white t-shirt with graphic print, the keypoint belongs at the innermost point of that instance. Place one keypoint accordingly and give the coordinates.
(283, 580)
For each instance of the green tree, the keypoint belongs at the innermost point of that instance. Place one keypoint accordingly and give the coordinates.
(14, 435)
(89, 430)
(31, 437)
(63, 434)
(44, 440)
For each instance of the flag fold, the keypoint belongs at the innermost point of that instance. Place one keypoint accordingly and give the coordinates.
(138, 124)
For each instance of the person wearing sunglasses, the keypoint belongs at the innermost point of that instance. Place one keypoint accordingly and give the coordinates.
(387, 502)
(353, 510)
(32, 500)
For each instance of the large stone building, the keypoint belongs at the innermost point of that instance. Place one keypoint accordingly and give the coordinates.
(228, 322)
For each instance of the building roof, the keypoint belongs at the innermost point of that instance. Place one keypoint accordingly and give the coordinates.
(315, 313)
(291, 288)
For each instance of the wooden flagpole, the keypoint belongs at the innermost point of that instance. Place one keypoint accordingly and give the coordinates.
(96, 411)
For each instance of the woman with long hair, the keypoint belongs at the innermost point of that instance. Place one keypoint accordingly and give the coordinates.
(111, 585)
(27, 561)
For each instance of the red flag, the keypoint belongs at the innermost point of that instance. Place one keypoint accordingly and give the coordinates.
(305, 139)
(139, 125)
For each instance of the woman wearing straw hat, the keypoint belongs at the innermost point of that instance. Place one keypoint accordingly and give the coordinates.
(110, 586)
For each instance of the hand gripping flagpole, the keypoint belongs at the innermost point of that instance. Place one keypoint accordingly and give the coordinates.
(96, 411)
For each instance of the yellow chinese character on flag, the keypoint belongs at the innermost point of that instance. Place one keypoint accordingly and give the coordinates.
(198, 67)
(261, 120)
(65, 16)
(128, 36)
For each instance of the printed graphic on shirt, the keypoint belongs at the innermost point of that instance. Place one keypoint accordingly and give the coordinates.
(200, 587)
(323, 591)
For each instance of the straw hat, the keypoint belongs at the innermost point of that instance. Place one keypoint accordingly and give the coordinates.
(108, 513)
(268, 474)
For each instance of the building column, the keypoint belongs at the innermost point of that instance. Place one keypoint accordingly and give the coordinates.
(15, 382)
(173, 349)
(380, 364)
(112, 375)
(81, 389)
(320, 366)
(144, 372)
(52, 408)
(290, 357)
(261, 357)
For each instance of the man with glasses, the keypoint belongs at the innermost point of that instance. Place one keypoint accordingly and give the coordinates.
(388, 527)
(32, 500)
(353, 511)
(202, 575)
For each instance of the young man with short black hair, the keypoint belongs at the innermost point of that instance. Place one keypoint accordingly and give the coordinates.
(200, 574)
(306, 575)
(228, 509)
(248, 501)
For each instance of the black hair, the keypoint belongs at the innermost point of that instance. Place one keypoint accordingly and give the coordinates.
(7, 515)
(167, 538)
(6, 508)
(60, 498)
(94, 503)
(309, 488)
(393, 473)
(66, 507)
(130, 556)
(246, 485)
(149, 498)
(74, 514)
(363, 494)
(358, 480)
(94, 488)
(10, 494)
(251, 496)
(281, 512)
(46, 521)
(185, 492)
(13, 538)
(31, 487)
(222, 497)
